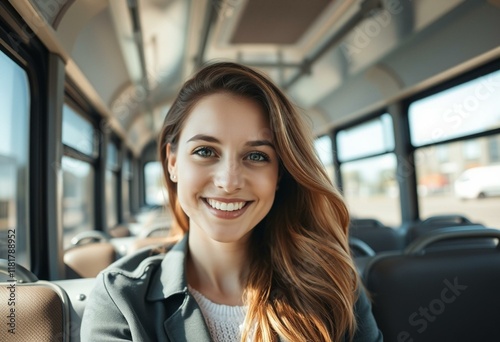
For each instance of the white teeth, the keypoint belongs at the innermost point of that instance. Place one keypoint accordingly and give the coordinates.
(225, 206)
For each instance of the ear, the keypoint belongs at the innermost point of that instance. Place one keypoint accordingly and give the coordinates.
(172, 163)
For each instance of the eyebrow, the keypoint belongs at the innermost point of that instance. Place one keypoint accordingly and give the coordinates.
(253, 143)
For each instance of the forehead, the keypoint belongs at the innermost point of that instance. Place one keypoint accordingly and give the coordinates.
(228, 116)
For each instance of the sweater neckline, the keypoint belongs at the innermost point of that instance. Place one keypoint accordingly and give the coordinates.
(222, 311)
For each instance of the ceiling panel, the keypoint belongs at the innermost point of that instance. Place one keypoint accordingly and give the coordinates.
(279, 22)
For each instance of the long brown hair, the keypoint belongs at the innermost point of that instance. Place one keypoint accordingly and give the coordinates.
(302, 283)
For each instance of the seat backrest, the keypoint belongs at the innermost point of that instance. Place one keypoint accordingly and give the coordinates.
(379, 237)
(86, 261)
(432, 223)
(36, 311)
(150, 241)
(443, 295)
(119, 231)
(78, 291)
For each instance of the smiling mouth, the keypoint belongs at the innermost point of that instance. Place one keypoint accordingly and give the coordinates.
(223, 206)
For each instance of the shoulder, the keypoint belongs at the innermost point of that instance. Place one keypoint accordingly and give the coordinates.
(135, 265)
(367, 329)
(133, 271)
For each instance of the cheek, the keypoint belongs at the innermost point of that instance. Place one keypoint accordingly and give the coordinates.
(190, 181)
(265, 183)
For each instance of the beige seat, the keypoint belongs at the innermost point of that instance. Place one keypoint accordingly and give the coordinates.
(90, 254)
(41, 311)
(86, 261)
(158, 235)
(119, 231)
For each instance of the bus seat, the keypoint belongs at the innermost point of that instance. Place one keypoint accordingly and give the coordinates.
(379, 237)
(91, 253)
(438, 295)
(444, 221)
(87, 260)
(41, 311)
(152, 236)
(78, 291)
(359, 248)
(151, 241)
(119, 231)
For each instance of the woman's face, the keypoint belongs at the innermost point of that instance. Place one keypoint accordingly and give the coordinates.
(225, 167)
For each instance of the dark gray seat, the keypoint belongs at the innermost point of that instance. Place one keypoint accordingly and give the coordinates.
(439, 295)
(432, 223)
(379, 237)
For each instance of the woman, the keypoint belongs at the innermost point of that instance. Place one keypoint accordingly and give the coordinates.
(264, 254)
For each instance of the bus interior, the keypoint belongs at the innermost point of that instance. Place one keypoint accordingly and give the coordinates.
(402, 97)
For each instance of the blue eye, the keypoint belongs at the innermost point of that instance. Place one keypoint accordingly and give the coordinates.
(258, 157)
(204, 152)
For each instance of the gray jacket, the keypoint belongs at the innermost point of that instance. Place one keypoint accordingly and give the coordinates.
(145, 298)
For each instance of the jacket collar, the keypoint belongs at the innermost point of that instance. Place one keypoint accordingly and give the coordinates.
(170, 279)
(185, 321)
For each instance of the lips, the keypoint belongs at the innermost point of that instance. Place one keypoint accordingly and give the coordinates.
(226, 209)
(225, 206)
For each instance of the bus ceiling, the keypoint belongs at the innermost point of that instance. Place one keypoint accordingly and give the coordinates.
(334, 58)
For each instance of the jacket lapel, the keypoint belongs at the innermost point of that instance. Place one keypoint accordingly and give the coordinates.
(187, 324)
(183, 320)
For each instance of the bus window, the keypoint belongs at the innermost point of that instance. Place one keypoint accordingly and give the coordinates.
(371, 189)
(153, 180)
(465, 179)
(126, 186)
(469, 108)
(78, 197)
(78, 174)
(323, 146)
(368, 169)
(14, 153)
(462, 176)
(367, 139)
(77, 132)
(112, 168)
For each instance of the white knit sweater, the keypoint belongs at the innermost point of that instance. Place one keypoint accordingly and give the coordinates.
(225, 322)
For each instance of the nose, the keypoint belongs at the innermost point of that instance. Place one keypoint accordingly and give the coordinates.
(229, 176)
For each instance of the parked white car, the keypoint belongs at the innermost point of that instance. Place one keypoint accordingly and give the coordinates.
(478, 182)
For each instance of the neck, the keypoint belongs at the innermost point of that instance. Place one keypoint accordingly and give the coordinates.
(217, 269)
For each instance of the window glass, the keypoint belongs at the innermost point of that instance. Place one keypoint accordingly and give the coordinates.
(126, 199)
(127, 167)
(111, 198)
(112, 156)
(323, 146)
(373, 137)
(78, 198)
(494, 148)
(463, 185)
(126, 180)
(371, 189)
(471, 149)
(471, 107)
(77, 132)
(14, 144)
(156, 193)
